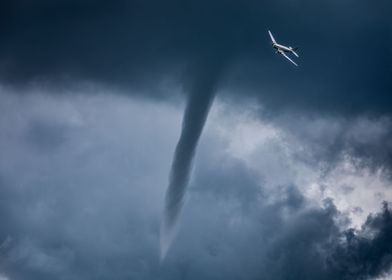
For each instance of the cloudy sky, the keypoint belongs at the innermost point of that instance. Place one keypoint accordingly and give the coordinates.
(125, 123)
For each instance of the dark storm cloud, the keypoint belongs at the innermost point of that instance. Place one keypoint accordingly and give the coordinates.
(91, 211)
(284, 238)
(345, 59)
(362, 257)
(365, 140)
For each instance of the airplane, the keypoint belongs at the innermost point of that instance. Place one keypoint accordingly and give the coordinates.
(283, 49)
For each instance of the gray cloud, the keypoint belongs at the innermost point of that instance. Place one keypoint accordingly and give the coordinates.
(87, 209)
(365, 139)
(46, 135)
(362, 257)
(81, 193)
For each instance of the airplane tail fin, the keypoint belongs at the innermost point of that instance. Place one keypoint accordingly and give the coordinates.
(272, 37)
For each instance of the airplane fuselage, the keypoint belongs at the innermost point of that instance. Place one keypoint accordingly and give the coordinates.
(281, 47)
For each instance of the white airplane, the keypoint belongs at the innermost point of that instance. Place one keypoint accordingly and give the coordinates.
(283, 49)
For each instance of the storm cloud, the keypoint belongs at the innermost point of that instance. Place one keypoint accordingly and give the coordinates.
(293, 173)
(72, 215)
(345, 66)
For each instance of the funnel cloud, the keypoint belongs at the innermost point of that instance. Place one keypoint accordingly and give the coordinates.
(201, 95)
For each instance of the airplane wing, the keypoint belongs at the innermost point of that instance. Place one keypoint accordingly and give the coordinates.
(272, 37)
(295, 53)
(282, 53)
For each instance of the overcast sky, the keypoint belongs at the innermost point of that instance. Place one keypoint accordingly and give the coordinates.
(291, 177)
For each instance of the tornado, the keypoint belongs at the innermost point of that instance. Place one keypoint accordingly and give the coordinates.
(201, 95)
